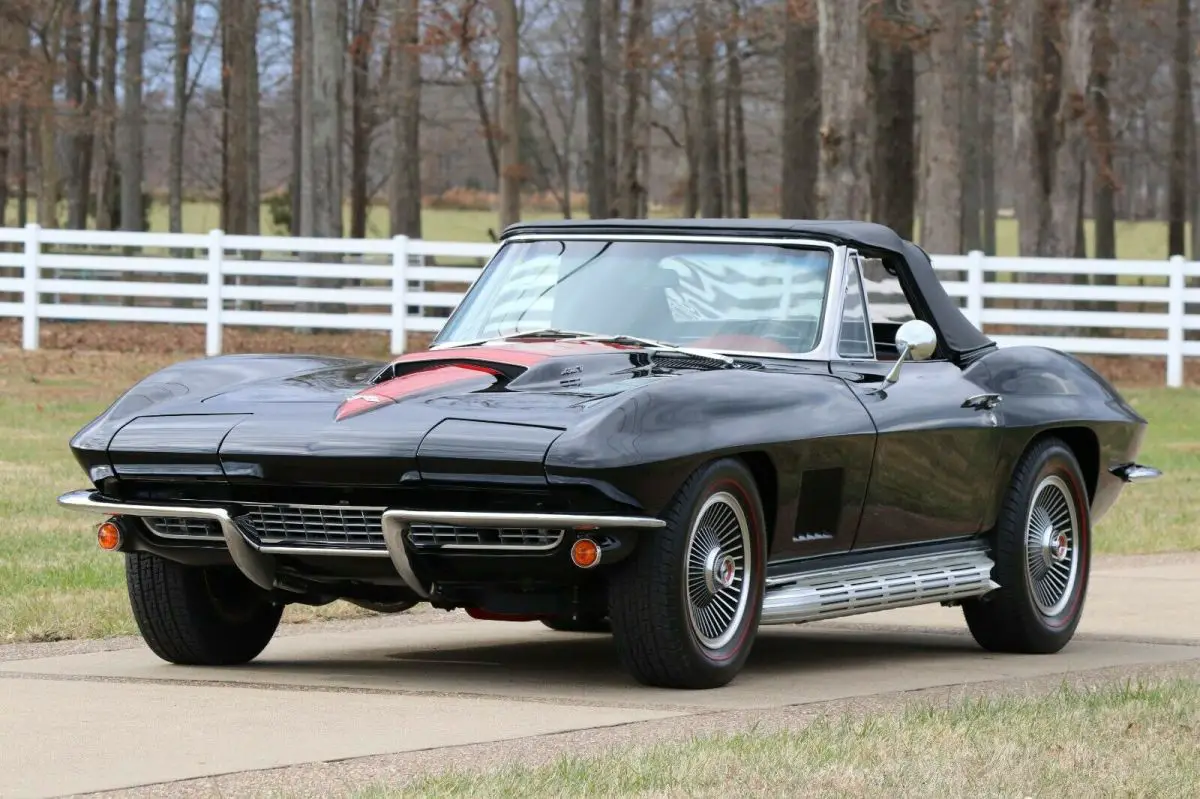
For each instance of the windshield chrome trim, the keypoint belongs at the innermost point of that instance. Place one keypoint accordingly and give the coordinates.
(827, 338)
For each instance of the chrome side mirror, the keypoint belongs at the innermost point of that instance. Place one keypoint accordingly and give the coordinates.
(916, 341)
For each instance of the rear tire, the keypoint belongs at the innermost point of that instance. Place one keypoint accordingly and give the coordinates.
(685, 608)
(198, 615)
(1042, 551)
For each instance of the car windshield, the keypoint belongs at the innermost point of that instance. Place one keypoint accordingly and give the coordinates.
(737, 297)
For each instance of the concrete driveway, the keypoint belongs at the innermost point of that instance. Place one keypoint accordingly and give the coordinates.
(104, 720)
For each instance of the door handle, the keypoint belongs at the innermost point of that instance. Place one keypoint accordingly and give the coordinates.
(982, 402)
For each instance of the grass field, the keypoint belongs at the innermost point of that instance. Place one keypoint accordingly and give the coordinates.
(1136, 240)
(1117, 740)
(55, 584)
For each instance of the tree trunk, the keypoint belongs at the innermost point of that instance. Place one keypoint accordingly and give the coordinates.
(969, 137)
(738, 189)
(845, 152)
(709, 149)
(1032, 204)
(593, 82)
(296, 185)
(629, 198)
(362, 115)
(77, 190)
(612, 69)
(132, 118)
(1071, 150)
(22, 165)
(940, 86)
(239, 189)
(405, 205)
(691, 152)
(801, 116)
(988, 99)
(1177, 182)
(1104, 180)
(47, 211)
(107, 184)
(894, 148)
(5, 134)
(321, 207)
(510, 114)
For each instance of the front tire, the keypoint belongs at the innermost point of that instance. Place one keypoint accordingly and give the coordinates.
(1042, 551)
(198, 615)
(685, 609)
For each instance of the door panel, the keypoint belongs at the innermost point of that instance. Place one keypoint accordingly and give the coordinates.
(935, 455)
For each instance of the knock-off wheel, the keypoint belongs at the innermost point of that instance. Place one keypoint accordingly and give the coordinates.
(685, 608)
(1042, 550)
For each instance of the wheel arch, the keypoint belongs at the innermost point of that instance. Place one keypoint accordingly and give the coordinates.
(766, 478)
(1084, 445)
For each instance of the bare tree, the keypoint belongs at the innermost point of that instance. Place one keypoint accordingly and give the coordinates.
(801, 111)
(939, 87)
(1177, 180)
(321, 207)
(185, 20)
(737, 188)
(132, 129)
(1104, 180)
(629, 199)
(76, 123)
(405, 191)
(988, 101)
(894, 141)
(108, 183)
(362, 112)
(709, 150)
(844, 177)
(1072, 119)
(1032, 202)
(510, 113)
(593, 81)
(239, 78)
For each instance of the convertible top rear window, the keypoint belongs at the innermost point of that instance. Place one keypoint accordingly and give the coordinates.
(735, 296)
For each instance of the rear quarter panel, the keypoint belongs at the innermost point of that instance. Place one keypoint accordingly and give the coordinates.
(1048, 392)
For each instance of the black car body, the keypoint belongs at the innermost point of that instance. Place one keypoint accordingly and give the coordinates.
(866, 463)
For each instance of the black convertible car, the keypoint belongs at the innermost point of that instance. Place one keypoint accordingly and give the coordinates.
(673, 431)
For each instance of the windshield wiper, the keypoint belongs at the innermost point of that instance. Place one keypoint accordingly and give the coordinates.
(709, 355)
(577, 335)
(541, 332)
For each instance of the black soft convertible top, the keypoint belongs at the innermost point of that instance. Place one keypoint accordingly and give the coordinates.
(962, 340)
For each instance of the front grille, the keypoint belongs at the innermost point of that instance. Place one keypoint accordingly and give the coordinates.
(316, 526)
(180, 527)
(454, 536)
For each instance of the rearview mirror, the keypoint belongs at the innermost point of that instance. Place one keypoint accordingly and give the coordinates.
(917, 341)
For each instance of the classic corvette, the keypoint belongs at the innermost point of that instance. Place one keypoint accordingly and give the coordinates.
(671, 431)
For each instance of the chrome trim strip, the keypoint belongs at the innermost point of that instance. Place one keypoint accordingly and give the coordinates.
(496, 547)
(838, 253)
(393, 536)
(543, 521)
(176, 536)
(364, 508)
(880, 585)
(258, 569)
(324, 552)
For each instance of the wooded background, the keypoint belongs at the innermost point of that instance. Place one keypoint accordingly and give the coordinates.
(935, 117)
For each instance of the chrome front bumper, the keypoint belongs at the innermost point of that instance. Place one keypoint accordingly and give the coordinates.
(257, 562)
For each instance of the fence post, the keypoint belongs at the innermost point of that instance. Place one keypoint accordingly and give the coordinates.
(1175, 319)
(216, 284)
(974, 314)
(399, 294)
(29, 329)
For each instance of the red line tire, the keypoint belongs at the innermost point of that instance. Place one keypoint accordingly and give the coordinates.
(685, 608)
(1042, 552)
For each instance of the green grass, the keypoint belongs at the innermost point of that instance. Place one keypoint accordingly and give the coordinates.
(55, 584)
(1143, 240)
(1117, 740)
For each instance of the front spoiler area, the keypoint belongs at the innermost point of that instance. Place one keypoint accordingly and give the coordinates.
(258, 563)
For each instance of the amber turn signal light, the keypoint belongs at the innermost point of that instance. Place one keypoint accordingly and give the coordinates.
(584, 553)
(108, 536)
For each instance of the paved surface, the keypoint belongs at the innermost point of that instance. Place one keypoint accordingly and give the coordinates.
(120, 718)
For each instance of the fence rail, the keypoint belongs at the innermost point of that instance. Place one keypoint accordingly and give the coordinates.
(402, 286)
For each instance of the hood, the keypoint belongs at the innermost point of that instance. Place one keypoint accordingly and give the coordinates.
(478, 413)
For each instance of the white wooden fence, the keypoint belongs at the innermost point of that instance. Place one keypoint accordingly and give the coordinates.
(405, 285)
